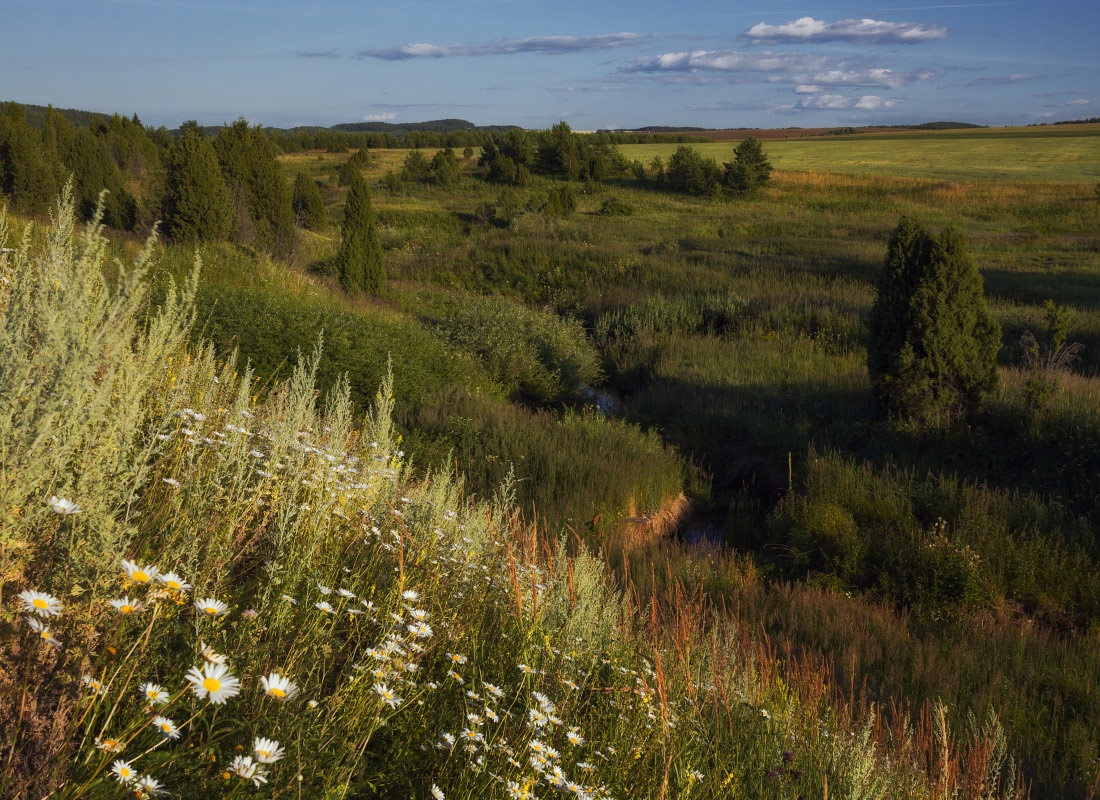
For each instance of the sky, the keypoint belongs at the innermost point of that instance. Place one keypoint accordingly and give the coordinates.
(594, 63)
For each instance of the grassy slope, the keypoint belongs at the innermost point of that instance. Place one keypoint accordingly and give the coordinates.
(787, 378)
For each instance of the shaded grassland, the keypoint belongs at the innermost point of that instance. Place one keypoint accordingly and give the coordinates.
(734, 329)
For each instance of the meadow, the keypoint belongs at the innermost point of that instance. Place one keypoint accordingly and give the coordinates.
(679, 391)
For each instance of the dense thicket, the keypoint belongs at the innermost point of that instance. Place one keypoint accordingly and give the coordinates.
(196, 202)
(307, 203)
(257, 189)
(933, 344)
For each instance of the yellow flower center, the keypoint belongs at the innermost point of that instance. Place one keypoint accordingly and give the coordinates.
(262, 753)
(140, 577)
(172, 584)
(124, 772)
(276, 692)
(211, 610)
(46, 635)
(38, 602)
(211, 684)
(125, 609)
(166, 726)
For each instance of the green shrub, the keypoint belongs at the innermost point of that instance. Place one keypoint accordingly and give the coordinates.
(615, 207)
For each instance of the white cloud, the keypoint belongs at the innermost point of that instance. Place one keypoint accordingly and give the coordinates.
(871, 31)
(729, 61)
(547, 45)
(807, 88)
(878, 76)
(867, 102)
(385, 116)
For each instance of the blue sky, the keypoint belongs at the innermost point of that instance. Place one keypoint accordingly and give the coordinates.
(737, 63)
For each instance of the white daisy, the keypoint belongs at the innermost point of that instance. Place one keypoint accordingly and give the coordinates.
(245, 767)
(209, 654)
(61, 505)
(324, 606)
(278, 686)
(167, 728)
(43, 631)
(124, 772)
(125, 605)
(138, 573)
(214, 682)
(174, 582)
(388, 697)
(40, 603)
(212, 607)
(151, 786)
(154, 694)
(267, 751)
(437, 793)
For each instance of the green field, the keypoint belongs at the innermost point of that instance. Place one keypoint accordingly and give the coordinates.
(1018, 154)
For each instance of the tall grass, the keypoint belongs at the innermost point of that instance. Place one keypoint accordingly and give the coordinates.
(301, 618)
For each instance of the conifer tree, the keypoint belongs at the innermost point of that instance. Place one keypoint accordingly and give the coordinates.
(196, 200)
(415, 167)
(257, 188)
(346, 173)
(750, 168)
(28, 173)
(359, 259)
(933, 344)
(444, 167)
(94, 170)
(309, 207)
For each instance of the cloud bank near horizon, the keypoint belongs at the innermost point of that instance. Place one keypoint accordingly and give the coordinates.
(545, 45)
(869, 31)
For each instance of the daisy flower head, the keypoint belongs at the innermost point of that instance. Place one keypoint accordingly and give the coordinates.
(418, 614)
(245, 767)
(421, 630)
(515, 791)
(324, 589)
(151, 786)
(93, 684)
(209, 654)
(469, 735)
(125, 605)
(61, 505)
(410, 595)
(174, 582)
(108, 745)
(345, 593)
(213, 682)
(287, 598)
(324, 606)
(387, 695)
(437, 793)
(124, 772)
(526, 670)
(138, 573)
(40, 603)
(456, 658)
(43, 631)
(574, 737)
(267, 751)
(154, 694)
(455, 676)
(212, 607)
(167, 728)
(494, 690)
(278, 686)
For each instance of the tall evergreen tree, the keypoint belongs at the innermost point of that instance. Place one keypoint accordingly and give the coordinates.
(259, 192)
(196, 200)
(94, 170)
(444, 167)
(933, 344)
(309, 207)
(750, 168)
(359, 259)
(28, 172)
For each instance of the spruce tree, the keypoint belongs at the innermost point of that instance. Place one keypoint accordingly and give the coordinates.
(94, 170)
(259, 192)
(933, 344)
(28, 172)
(359, 259)
(750, 168)
(196, 200)
(309, 207)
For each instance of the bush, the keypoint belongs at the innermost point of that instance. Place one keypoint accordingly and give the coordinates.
(933, 344)
(614, 207)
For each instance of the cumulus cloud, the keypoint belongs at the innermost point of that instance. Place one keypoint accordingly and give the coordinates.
(867, 102)
(729, 61)
(807, 88)
(547, 45)
(870, 31)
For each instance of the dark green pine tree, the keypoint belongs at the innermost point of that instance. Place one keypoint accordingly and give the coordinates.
(309, 207)
(259, 193)
(94, 170)
(750, 168)
(28, 172)
(359, 259)
(196, 200)
(933, 344)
